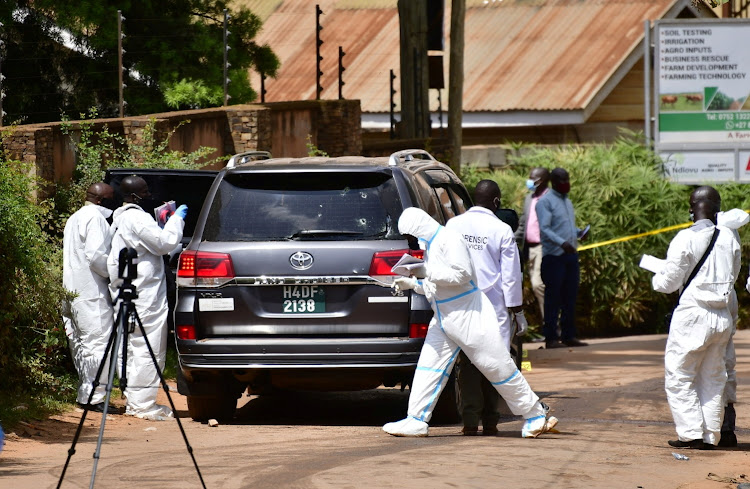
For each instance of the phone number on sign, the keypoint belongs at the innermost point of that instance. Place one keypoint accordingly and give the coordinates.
(729, 116)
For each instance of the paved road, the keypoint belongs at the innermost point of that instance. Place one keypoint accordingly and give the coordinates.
(614, 424)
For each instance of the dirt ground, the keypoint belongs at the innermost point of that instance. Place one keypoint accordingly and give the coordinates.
(609, 397)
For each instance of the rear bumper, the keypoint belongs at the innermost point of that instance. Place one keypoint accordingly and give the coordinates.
(232, 354)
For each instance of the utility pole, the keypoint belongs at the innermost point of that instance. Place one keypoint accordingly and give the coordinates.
(226, 58)
(341, 73)
(120, 52)
(318, 57)
(2, 77)
(415, 109)
(393, 107)
(456, 83)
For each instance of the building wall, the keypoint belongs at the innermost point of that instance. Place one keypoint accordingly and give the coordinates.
(333, 126)
(625, 102)
(282, 129)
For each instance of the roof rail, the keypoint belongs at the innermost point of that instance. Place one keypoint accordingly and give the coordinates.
(409, 155)
(246, 156)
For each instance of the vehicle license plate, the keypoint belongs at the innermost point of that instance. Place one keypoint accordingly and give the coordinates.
(303, 299)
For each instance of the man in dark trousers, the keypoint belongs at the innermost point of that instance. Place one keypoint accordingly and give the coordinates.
(498, 267)
(560, 270)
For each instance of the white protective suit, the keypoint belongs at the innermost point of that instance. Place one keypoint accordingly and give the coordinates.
(695, 372)
(88, 317)
(464, 319)
(733, 219)
(136, 229)
(496, 261)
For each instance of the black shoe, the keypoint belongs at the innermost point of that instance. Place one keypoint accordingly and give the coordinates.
(489, 431)
(553, 344)
(99, 408)
(575, 342)
(697, 444)
(470, 431)
(728, 439)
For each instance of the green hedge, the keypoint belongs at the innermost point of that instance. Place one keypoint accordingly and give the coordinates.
(33, 348)
(619, 190)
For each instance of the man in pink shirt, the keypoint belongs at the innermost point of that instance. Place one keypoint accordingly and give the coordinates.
(528, 235)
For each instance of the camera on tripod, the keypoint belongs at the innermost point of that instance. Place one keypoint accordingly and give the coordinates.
(127, 263)
(125, 324)
(127, 271)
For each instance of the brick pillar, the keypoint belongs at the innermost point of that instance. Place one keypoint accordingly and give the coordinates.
(249, 130)
(34, 147)
(339, 127)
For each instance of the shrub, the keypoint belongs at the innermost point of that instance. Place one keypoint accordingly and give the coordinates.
(33, 347)
(619, 190)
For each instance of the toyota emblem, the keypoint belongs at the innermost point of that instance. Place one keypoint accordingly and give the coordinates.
(301, 260)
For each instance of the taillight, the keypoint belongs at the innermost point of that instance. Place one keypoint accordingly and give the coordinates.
(204, 268)
(418, 330)
(185, 332)
(383, 261)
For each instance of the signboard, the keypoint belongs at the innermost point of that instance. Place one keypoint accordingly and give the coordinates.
(744, 160)
(699, 166)
(702, 81)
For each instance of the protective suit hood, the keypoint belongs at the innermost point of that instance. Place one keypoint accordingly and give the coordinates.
(103, 210)
(118, 212)
(733, 219)
(418, 223)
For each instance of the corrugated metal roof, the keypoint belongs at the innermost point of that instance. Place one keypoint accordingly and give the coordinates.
(527, 55)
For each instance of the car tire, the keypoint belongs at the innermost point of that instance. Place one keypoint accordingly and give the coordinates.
(203, 408)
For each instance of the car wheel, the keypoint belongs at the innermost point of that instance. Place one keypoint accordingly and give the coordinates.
(220, 408)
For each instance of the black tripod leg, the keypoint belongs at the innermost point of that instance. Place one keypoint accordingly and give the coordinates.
(107, 351)
(112, 368)
(169, 397)
(129, 314)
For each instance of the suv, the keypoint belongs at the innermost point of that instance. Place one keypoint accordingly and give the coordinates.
(286, 281)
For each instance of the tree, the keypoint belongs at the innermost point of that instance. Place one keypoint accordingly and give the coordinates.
(415, 107)
(168, 44)
(456, 83)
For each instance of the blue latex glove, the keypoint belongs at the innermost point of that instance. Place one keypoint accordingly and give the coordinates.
(181, 211)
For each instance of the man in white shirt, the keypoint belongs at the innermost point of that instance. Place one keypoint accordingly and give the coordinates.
(498, 266)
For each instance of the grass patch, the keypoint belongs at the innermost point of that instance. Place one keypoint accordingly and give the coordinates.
(23, 405)
(171, 363)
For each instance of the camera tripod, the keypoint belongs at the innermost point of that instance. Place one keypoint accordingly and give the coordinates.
(125, 322)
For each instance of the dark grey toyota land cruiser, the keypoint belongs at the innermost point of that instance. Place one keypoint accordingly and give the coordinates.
(285, 283)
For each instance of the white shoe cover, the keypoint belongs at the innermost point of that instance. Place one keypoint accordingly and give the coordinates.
(535, 426)
(157, 413)
(406, 427)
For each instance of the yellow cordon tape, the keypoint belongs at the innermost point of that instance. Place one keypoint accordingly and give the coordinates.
(641, 235)
(634, 236)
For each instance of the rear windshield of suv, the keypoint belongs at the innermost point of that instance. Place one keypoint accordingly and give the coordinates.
(304, 206)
